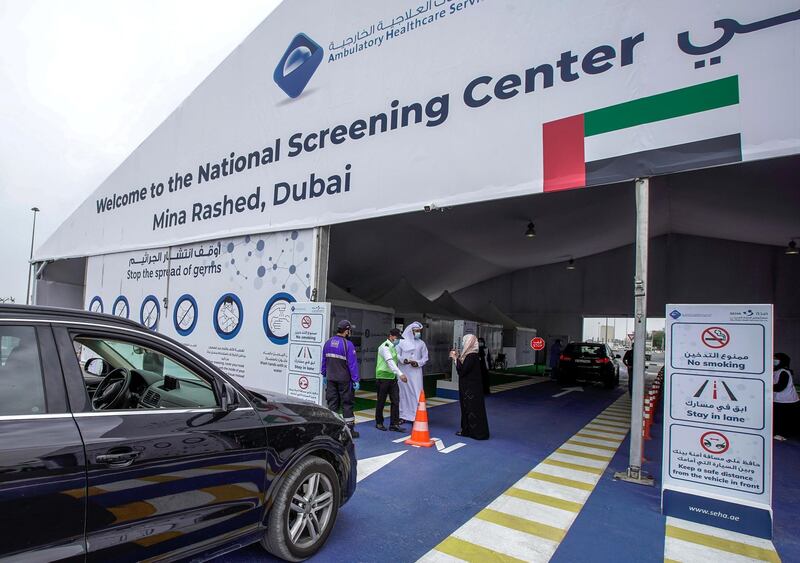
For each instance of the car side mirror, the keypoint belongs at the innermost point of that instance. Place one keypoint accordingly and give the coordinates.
(229, 399)
(96, 366)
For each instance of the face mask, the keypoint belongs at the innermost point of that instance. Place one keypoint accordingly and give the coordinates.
(417, 336)
(395, 342)
(776, 363)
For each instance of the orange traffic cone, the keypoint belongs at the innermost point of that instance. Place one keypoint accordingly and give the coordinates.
(420, 436)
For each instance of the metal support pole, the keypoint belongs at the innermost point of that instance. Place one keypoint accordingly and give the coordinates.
(320, 289)
(30, 258)
(634, 473)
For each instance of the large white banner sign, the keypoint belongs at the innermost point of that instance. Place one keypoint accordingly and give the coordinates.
(228, 299)
(342, 110)
(717, 464)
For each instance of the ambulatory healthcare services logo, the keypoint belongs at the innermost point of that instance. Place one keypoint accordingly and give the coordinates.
(297, 65)
(675, 314)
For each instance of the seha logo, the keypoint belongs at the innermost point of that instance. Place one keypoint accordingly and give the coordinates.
(297, 65)
(675, 314)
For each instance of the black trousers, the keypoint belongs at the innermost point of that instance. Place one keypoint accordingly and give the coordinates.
(340, 393)
(388, 387)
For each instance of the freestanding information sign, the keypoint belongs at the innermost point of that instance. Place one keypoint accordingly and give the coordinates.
(717, 462)
(308, 332)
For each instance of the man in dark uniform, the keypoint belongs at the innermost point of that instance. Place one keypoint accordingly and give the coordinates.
(340, 369)
(627, 359)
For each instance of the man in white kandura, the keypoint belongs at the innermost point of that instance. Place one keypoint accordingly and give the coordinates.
(413, 354)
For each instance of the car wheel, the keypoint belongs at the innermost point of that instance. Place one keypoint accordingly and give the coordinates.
(304, 511)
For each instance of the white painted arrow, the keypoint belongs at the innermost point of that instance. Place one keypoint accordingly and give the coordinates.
(440, 447)
(370, 465)
(568, 390)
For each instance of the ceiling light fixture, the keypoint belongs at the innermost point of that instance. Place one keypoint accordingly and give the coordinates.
(571, 264)
(791, 249)
(531, 232)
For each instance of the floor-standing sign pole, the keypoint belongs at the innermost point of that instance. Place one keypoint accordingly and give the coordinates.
(634, 472)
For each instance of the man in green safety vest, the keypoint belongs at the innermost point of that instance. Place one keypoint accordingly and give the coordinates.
(386, 374)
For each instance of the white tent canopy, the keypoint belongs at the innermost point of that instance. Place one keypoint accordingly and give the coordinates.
(463, 112)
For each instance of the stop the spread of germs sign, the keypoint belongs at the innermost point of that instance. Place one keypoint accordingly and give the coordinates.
(717, 463)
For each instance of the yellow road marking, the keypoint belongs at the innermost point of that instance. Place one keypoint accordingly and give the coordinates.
(722, 544)
(521, 524)
(574, 466)
(544, 499)
(472, 552)
(595, 457)
(603, 428)
(614, 420)
(588, 445)
(583, 434)
(561, 481)
(540, 533)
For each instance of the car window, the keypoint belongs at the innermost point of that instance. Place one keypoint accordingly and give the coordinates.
(157, 380)
(584, 350)
(21, 383)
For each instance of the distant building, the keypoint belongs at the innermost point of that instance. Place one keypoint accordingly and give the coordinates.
(606, 333)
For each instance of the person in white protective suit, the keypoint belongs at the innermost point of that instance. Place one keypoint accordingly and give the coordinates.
(413, 354)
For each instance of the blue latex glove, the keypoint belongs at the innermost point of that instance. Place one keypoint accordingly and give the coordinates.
(356, 386)
(324, 381)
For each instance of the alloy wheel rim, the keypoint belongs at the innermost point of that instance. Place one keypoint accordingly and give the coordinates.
(310, 510)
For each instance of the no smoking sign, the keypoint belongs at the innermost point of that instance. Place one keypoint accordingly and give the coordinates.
(306, 321)
(715, 337)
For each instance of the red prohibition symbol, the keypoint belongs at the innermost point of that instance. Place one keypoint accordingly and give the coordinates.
(715, 337)
(306, 322)
(715, 442)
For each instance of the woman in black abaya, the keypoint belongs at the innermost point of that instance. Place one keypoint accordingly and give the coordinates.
(470, 390)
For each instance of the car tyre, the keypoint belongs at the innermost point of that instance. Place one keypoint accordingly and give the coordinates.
(611, 381)
(304, 510)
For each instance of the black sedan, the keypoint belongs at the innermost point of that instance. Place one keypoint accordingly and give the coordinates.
(119, 444)
(588, 361)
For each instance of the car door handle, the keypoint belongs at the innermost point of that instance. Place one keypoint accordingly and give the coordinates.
(120, 459)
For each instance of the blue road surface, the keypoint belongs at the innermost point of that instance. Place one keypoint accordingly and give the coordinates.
(408, 507)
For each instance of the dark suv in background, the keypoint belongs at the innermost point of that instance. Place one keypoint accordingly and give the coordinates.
(588, 361)
(119, 444)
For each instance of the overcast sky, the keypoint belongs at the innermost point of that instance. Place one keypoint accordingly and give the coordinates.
(82, 83)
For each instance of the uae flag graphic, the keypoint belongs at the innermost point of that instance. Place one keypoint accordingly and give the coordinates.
(685, 129)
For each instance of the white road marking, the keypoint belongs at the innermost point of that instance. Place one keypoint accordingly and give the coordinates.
(568, 390)
(367, 467)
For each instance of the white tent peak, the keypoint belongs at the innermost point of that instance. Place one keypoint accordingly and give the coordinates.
(492, 313)
(450, 303)
(405, 299)
(336, 293)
